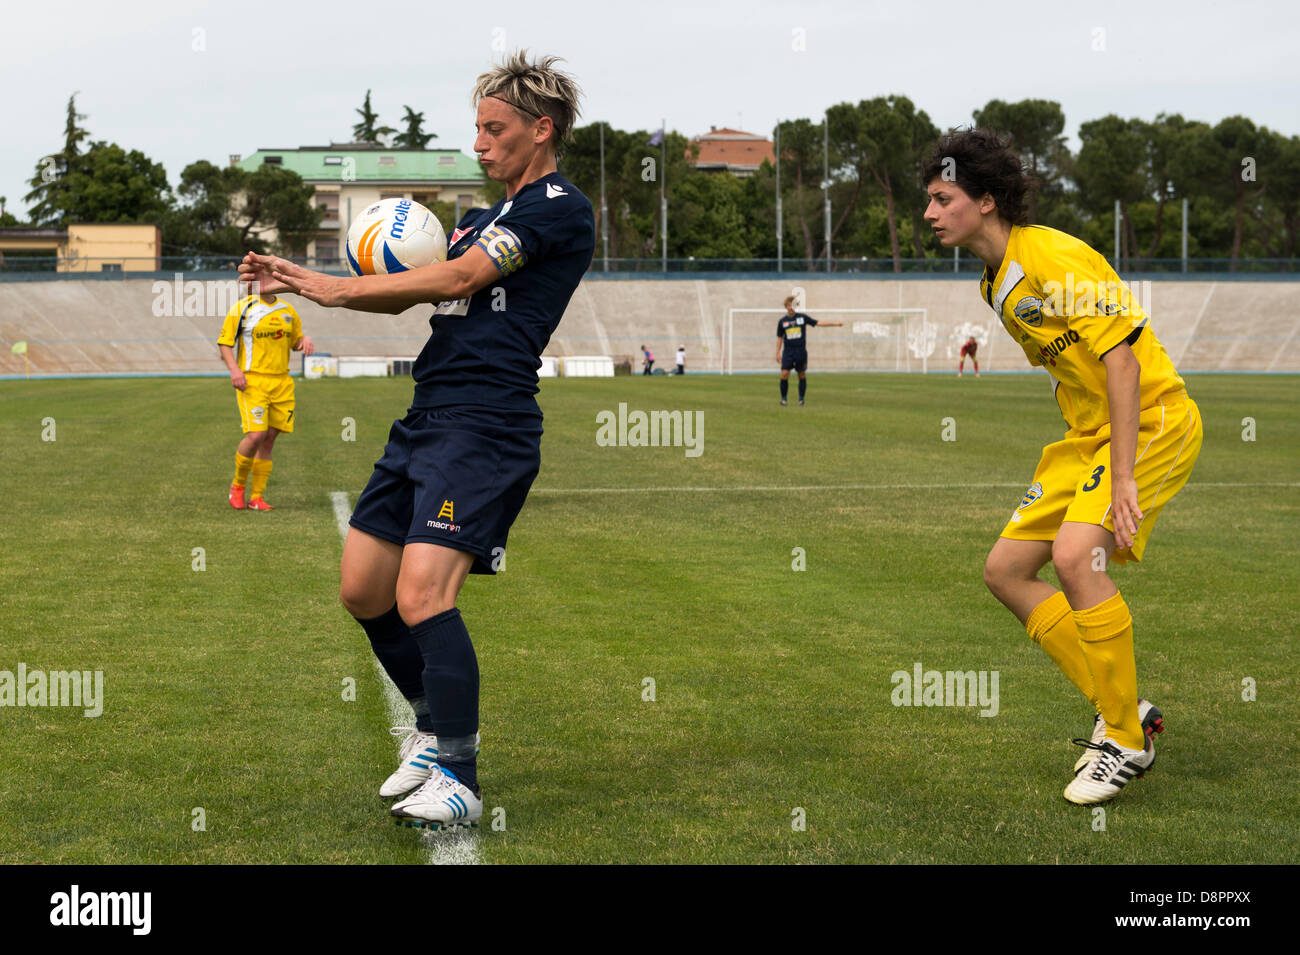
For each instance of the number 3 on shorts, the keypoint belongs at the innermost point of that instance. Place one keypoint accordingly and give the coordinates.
(1095, 479)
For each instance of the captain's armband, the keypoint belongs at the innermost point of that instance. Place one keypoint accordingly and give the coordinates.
(503, 248)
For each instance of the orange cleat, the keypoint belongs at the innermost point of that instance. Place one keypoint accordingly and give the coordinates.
(237, 496)
(258, 504)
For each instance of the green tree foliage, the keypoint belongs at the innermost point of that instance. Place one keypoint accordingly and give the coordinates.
(414, 136)
(49, 195)
(108, 184)
(1281, 185)
(1112, 165)
(876, 144)
(228, 210)
(366, 131)
(801, 194)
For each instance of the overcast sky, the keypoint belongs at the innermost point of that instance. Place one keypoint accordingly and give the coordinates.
(183, 80)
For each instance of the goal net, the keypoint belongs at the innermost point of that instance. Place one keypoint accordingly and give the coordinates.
(871, 339)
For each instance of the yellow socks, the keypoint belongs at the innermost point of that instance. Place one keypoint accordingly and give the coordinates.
(1106, 638)
(242, 466)
(261, 474)
(1051, 626)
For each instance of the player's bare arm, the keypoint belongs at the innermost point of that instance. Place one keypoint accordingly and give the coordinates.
(236, 376)
(390, 294)
(1123, 393)
(305, 345)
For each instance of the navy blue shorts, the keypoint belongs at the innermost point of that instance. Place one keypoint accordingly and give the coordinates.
(453, 476)
(795, 362)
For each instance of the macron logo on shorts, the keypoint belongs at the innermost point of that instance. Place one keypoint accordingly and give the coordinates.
(448, 510)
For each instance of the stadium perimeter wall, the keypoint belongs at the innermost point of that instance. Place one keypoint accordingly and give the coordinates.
(161, 327)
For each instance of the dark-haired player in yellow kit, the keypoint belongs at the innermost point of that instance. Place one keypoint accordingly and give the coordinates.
(255, 341)
(1133, 437)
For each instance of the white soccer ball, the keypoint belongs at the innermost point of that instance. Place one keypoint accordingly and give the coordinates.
(393, 235)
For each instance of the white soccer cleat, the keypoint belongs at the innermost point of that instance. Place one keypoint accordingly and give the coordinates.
(1109, 768)
(418, 753)
(1153, 721)
(416, 758)
(443, 802)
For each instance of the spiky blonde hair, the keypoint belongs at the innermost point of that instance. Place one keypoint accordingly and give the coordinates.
(535, 89)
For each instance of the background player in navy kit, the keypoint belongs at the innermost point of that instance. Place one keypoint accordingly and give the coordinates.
(457, 468)
(791, 347)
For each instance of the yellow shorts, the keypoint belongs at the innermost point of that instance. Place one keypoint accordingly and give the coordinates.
(267, 401)
(1072, 482)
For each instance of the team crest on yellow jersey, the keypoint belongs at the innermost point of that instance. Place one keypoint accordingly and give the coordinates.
(1030, 310)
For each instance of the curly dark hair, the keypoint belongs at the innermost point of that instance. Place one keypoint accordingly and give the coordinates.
(983, 163)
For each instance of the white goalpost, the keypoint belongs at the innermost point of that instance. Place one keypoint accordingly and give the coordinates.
(872, 339)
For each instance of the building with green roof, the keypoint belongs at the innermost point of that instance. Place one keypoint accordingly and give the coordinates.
(347, 177)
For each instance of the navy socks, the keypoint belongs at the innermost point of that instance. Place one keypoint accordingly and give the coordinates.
(400, 657)
(451, 684)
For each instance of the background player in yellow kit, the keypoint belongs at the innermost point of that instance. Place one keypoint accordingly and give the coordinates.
(1133, 436)
(255, 341)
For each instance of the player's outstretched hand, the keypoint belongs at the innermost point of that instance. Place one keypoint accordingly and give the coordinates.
(323, 289)
(255, 271)
(1125, 511)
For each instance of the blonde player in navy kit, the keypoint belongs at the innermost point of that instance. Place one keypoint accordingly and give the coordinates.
(792, 346)
(457, 468)
(1133, 436)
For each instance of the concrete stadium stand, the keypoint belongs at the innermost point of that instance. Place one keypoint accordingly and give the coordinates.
(110, 328)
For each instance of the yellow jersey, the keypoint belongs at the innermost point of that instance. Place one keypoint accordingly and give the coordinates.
(267, 334)
(1066, 307)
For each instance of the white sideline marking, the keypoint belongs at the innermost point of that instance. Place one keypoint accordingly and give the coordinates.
(849, 487)
(456, 847)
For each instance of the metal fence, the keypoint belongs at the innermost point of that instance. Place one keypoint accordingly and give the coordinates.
(34, 268)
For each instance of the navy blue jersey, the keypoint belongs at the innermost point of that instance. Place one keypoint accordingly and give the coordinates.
(794, 329)
(485, 349)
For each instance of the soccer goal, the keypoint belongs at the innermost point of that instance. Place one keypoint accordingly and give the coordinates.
(872, 339)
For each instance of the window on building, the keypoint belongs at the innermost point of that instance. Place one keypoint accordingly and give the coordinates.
(274, 160)
(327, 250)
(333, 160)
(446, 160)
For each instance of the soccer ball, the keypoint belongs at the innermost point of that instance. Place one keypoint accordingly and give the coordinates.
(393, 235)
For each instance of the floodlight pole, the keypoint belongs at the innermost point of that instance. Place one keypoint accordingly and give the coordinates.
(780, 237)
(1184, 234)
(826, 180)
(1117, 262)
(663, 199)
(604, 209)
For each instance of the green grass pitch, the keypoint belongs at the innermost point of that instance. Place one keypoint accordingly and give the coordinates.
(226, 736)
